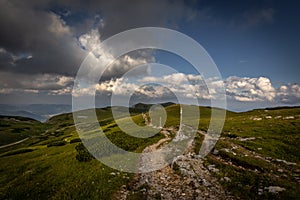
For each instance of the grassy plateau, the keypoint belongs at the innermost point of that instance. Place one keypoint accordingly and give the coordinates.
(257, 149)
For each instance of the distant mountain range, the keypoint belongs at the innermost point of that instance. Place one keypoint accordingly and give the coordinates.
(40, 112)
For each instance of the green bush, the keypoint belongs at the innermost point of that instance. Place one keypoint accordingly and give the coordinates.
(57, 143)
(83, 155)
(75, 140)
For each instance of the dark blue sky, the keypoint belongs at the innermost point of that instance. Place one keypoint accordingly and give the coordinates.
(255, 44)
(251, 44)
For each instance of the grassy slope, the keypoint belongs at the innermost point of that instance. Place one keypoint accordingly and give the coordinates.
(249, 170)
(45, 172)
(13, 129)
(54, 172)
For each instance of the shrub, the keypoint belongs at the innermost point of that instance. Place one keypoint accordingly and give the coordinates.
(57, 143)
(83, 155)
(75, 140)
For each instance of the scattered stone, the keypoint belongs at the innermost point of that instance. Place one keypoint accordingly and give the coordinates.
(215, 152)
(285, 162)
(165, 132)
(113, 173)
(227, 179)
(245, 139)
(186, 178)
(268, 117)
(257, 118)
(289, 117)
(206, 183)
(226, 150)
(210, 167)
(274, 189)
(259, 148)
(143, 190)
(213, 169)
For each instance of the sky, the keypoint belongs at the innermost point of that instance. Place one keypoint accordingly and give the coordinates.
(255, 45)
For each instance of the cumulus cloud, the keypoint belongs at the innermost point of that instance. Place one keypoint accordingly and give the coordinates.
(151, 87)
(91, 42)
(242, 89)
(250, 89)
(289, 93)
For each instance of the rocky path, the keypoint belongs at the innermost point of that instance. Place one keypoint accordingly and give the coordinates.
(186, 178)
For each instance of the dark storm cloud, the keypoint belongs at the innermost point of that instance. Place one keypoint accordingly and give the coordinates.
(41, 51)
(11, 81)
(123, 15)
(43, 30)
(42, 34)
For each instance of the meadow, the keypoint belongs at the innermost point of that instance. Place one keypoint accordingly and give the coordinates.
(257, 149)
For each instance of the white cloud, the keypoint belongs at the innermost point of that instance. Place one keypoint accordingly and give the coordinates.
(58, 26)
(91, 42)
(177, 78)
(187, 86)
(242, 89)
(289, 93)
(63, 91)
(250, 89)
(16, 90)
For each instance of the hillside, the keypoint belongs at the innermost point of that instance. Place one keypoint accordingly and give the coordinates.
(257, 157)
(15, 128)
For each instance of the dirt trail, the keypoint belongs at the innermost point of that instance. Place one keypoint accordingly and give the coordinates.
(14, 143)
(185, 178)
(154, 146)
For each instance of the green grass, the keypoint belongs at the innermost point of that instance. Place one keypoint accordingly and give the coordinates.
(17, 151)
(13, 129)
(46, 167)
(31, 170)
(275, 138)
(55, 172)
